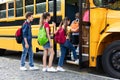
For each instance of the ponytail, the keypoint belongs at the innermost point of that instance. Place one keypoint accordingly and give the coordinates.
(43, 17)
(41, 23)
(64, 22)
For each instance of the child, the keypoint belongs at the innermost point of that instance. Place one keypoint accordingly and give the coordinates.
(75, 30)
(48, 48)
(65, 45)
(27, 43)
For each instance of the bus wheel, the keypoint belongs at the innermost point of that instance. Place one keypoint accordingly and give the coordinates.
(2, 52)
(111, 59)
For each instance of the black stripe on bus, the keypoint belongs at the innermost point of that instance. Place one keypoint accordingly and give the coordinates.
(20, 22)
(10, 36)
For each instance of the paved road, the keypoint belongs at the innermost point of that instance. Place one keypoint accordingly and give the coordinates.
(9, 70)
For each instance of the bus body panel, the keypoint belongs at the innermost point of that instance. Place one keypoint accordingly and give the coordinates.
(97, 20)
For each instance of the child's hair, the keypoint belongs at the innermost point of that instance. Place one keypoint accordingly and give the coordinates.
(65, 23)
(43, 17)
(28, 14)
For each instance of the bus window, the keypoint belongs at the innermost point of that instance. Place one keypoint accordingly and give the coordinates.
(51, 5)
(40, 6)
(11, 9)
(19, 8)
(3, 10)
(29, 5)
(115, 5)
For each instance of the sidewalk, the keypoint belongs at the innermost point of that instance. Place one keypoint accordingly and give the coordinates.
(9, 70)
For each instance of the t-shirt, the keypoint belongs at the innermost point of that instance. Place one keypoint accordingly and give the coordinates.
(46, 25)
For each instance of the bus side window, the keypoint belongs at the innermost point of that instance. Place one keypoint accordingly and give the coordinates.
(51, 5)
(11, 9)
(40, 6)
(29, 5)
(19, 8)
(3, 10)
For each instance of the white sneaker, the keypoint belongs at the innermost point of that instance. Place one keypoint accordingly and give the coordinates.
(44, 69)
(60, 69)
(77, 61)
(23, 68)
(51, 69)
(34, 68)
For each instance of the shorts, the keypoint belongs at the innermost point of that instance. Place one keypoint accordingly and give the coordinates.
(47, 45)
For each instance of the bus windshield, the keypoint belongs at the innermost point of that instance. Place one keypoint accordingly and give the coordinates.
(113, 6)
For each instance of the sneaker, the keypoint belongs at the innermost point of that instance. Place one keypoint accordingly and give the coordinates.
(44, 69)
(34, 68)
(23, 68)
(51, 69)
(60, 69)
(77, 61)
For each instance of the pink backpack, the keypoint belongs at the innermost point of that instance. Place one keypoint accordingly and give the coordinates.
(60, 36)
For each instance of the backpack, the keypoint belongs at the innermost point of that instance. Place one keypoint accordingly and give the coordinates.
(42, 36)
(74, 25)
(60, 36)
(18, 36)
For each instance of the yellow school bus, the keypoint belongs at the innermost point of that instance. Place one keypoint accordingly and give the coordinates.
(102, 38)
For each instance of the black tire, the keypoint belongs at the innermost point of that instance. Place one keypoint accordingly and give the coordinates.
(2, 52)
(111, 59)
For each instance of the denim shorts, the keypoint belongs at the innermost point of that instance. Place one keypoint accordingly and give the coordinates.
(47, 45)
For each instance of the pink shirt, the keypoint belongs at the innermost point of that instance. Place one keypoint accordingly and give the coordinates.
(46, 25)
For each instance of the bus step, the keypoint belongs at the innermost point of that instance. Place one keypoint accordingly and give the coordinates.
(71, 62)
(85, 46)
(39, 52)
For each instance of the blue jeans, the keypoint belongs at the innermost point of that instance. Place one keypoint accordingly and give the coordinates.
(64, 47)
(24, 54)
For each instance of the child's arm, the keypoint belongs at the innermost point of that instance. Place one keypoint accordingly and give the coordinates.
(48, 35)
(25, 34)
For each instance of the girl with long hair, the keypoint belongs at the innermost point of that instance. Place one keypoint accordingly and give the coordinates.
(48, 48)
(66, 45)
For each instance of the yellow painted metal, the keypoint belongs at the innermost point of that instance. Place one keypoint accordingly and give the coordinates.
(34, 7)
(100, 18)
(23, 7)
(98, 23)
(7, 10)
(47, 5)
(63, 8)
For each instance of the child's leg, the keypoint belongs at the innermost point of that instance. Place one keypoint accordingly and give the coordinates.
(61, 58)
(69, 45)
(45, 58)
(30, 52)
(51, 57)
(23, 56)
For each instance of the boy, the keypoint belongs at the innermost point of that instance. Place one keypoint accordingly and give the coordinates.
(27, 43)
